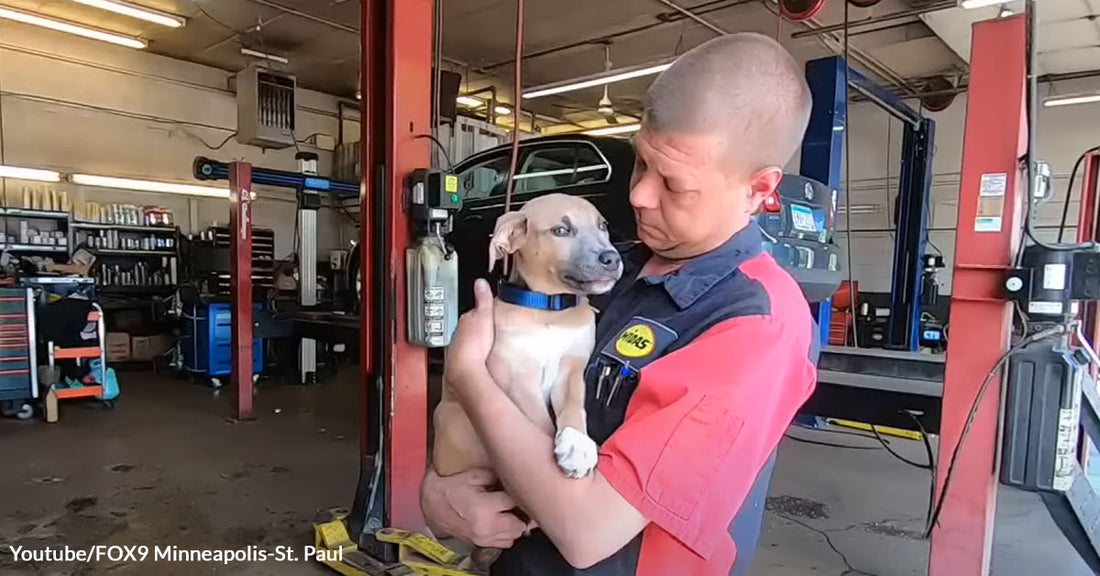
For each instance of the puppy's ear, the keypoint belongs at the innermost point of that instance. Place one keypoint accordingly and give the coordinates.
(511, 231)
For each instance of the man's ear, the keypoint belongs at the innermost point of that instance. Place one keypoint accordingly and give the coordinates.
(762, 185)
(510, 232)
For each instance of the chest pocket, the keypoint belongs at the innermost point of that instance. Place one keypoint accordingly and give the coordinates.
(613, 374)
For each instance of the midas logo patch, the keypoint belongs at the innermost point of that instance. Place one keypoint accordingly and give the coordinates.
(641, 341)
(637, 341)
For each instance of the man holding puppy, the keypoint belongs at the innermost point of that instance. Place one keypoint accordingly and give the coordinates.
(688, 420)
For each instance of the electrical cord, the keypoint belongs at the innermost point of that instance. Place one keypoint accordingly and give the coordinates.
(442, 148)
(517, 89)
(997, 366)
(931, 462)
(1069, 188)
(886, 445)
(218, 146)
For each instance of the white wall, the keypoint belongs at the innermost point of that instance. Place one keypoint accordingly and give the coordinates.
(1064, 132)
(77, 105)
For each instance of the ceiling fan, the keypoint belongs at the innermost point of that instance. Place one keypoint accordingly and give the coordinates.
(605, 106)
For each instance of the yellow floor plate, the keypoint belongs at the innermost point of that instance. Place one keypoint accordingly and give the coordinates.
(887, 430)
(418, 554)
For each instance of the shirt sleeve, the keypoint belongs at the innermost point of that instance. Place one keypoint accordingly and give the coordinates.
(702, 423)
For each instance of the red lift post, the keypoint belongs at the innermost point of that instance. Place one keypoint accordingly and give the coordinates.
(991, 195)
(240, 284)
(396, 99)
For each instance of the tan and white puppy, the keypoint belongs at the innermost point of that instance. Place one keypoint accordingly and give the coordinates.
(559, 245)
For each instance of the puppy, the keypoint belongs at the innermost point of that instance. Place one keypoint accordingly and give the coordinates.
(559, 246)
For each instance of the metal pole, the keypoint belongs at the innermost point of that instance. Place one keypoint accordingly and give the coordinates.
(703, 21)
(240, 284)
(992, 192)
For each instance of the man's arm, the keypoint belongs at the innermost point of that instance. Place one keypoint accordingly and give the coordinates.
(700, 425)
(586, 519)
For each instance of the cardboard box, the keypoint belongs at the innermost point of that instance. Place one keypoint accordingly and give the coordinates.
(147, 348)
(118, 347)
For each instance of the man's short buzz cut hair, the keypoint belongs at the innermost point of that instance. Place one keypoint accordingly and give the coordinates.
(744, 87)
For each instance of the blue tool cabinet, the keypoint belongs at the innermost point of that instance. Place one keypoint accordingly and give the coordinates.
(18, 370)
(207, 343)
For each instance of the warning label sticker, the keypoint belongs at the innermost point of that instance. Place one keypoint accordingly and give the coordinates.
(991, 202)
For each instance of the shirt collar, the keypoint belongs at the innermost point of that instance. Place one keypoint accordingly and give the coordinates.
(687, 284)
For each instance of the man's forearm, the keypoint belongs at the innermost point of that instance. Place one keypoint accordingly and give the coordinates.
(523, 457)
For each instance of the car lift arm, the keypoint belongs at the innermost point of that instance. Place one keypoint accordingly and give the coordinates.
(822, 151)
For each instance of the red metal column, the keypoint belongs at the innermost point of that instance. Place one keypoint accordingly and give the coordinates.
(991, 193)
(397, 102)
(240, 283)
(371, 117)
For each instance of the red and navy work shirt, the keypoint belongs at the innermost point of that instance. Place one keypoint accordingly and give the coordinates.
(696, 377)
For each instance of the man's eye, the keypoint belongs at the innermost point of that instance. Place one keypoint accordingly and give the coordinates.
(559, 231)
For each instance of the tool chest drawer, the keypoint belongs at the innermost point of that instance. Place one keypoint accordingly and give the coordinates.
(17, 354)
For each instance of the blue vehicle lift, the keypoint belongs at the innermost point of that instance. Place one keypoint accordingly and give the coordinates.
(822, 152)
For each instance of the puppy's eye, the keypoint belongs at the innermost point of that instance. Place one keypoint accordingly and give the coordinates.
(560, 231)
(602, 226)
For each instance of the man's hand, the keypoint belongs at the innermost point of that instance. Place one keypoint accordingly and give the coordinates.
(471, 344)
(461, 506)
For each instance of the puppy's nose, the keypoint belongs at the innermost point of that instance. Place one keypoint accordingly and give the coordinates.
(610, 259)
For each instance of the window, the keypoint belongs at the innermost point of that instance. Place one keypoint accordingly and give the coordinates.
(543, 169)
(550, 168)
(485, 179)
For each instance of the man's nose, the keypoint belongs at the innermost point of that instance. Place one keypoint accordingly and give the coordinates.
(610, 259)
(644, 193)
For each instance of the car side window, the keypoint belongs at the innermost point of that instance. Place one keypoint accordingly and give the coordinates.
(485, 179)
(549, 168)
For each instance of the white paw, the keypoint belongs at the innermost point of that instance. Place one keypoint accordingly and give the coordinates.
(575, 451)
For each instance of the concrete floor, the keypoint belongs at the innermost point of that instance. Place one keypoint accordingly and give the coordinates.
(167, 468)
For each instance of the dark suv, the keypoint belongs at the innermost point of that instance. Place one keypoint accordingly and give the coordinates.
(798, 223)
(597, 169)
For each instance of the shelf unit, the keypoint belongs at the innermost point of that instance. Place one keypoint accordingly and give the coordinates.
(123, 227)
(34, 248)
(113, 252)
(61, 224)
(131, 272)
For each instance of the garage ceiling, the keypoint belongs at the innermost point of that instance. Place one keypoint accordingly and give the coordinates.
(566, 39)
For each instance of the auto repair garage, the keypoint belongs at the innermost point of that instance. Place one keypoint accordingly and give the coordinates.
(238, 235)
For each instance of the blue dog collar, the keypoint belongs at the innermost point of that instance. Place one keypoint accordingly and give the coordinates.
(513, 294)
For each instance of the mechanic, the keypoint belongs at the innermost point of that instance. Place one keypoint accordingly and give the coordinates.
(689, 424)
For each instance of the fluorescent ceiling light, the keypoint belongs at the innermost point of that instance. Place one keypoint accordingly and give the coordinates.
(502, 110)
(139, 12)
(470, 101)
(1070, 100)
(973, 4)
(610, 130)
(69, 27)
(264, 55)
(149, 186)
(597, 80)
(29, 174)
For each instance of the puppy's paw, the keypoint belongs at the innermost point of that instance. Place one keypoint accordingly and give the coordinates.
(575, 451)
